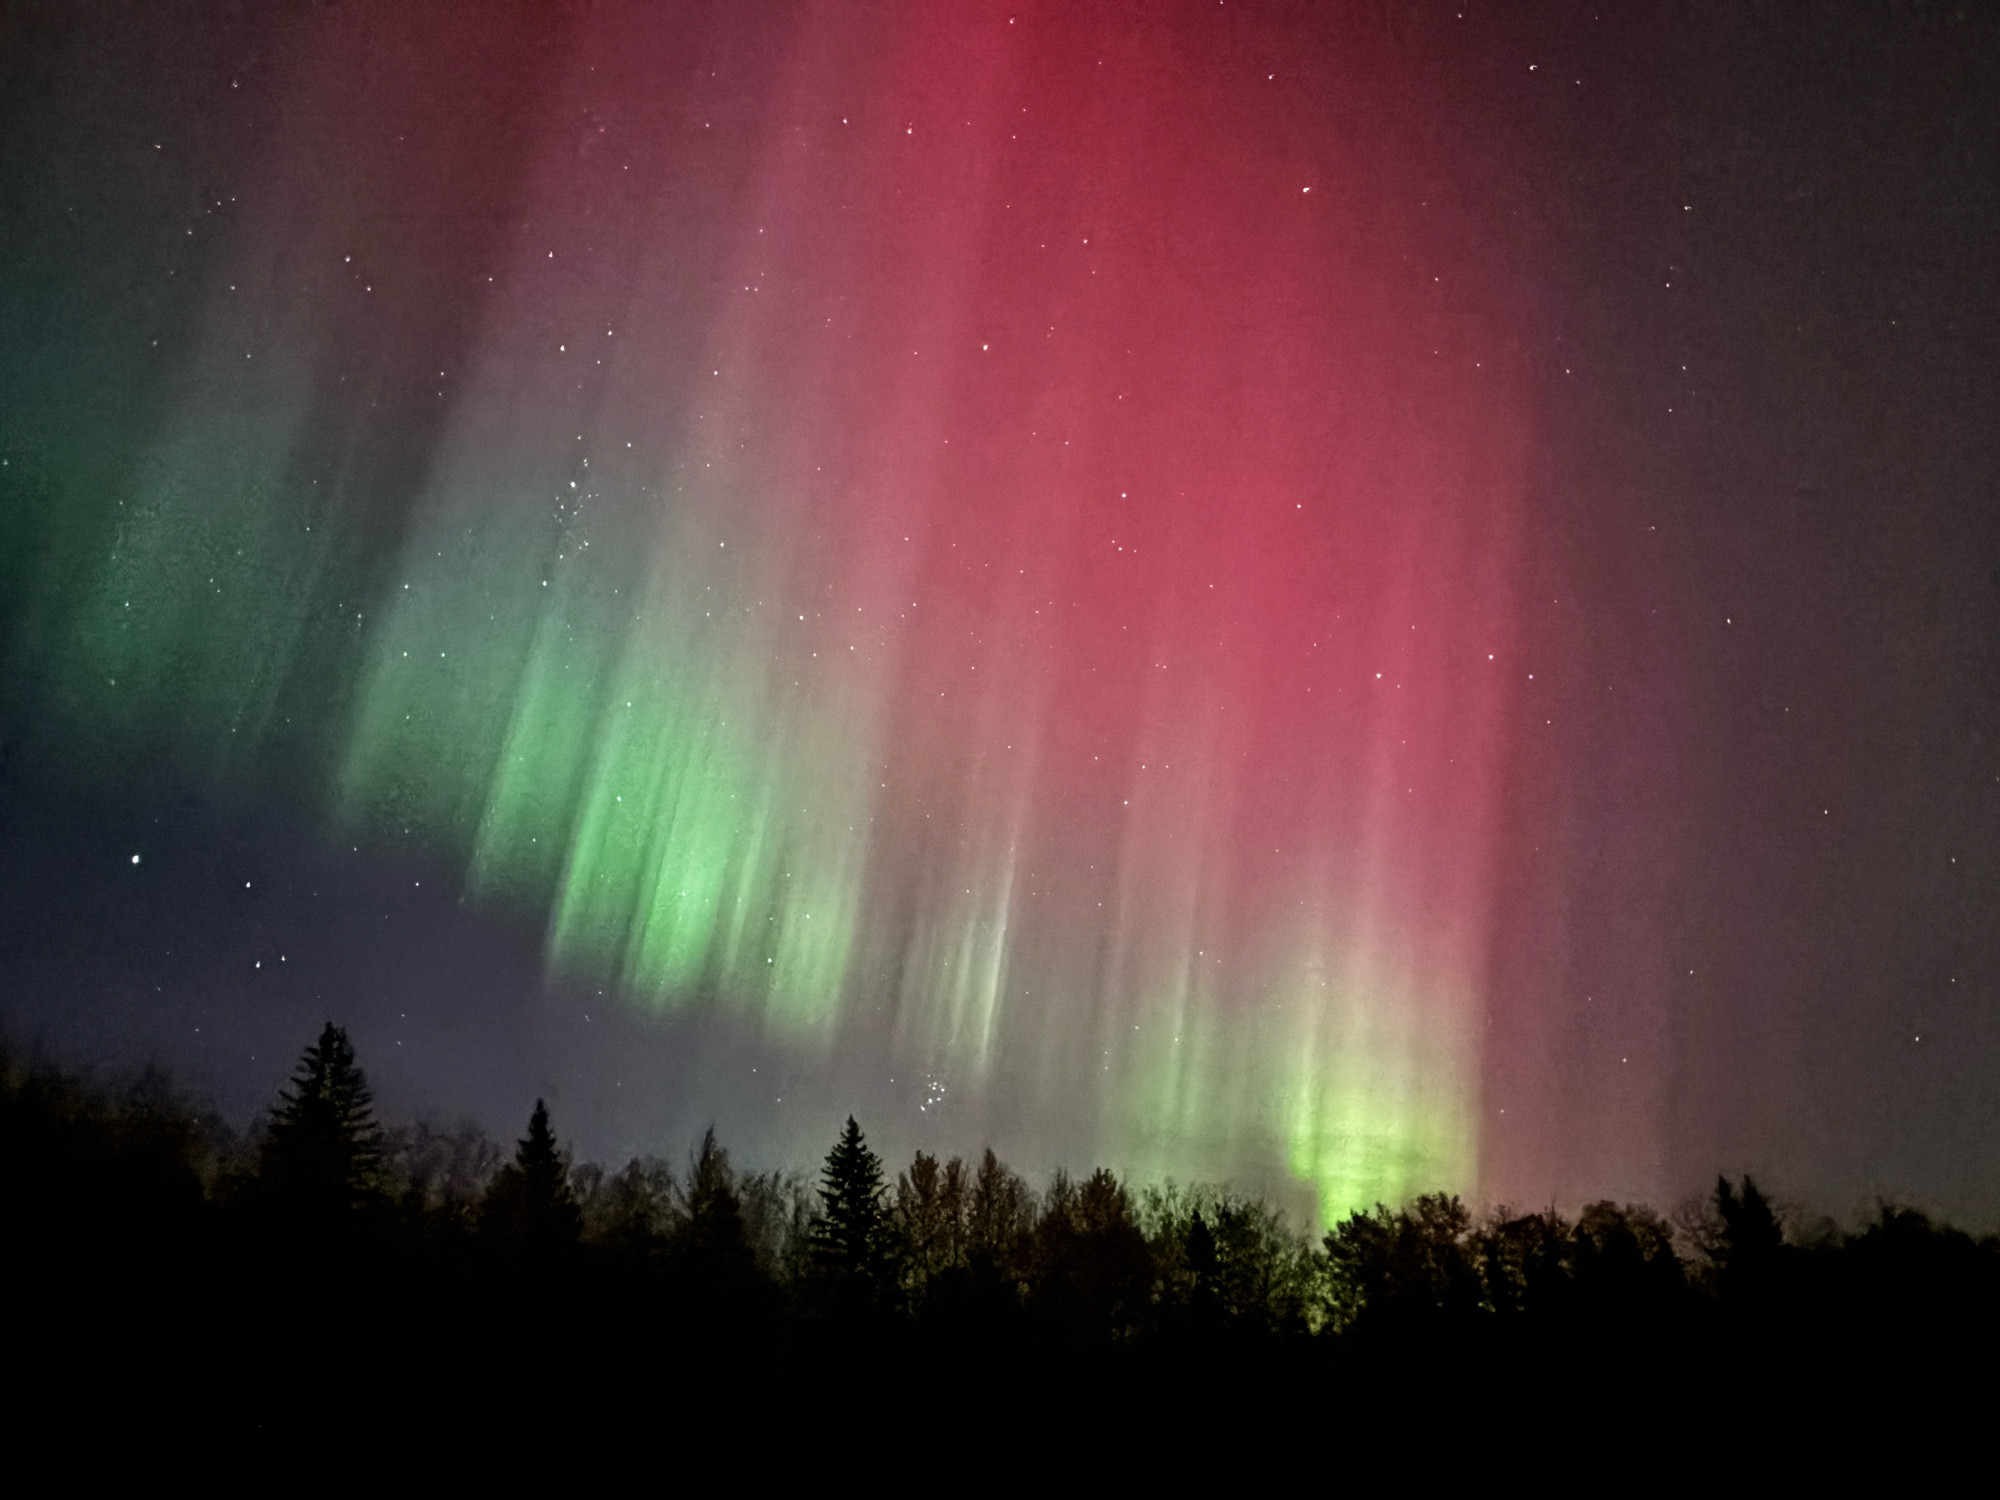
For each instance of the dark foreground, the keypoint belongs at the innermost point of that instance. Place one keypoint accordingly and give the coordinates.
(419, 1287)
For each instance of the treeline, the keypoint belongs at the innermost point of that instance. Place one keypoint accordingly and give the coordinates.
(132, 1209)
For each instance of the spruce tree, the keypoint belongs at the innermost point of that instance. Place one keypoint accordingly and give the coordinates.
(323, 1153)
(531, 1201)
(849, 1238)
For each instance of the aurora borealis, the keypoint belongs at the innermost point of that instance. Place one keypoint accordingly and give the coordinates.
(1027, 550)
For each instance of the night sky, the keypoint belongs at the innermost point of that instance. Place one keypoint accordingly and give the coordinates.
(1358, 598)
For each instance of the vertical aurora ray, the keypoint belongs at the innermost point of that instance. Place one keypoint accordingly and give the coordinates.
(970, 536)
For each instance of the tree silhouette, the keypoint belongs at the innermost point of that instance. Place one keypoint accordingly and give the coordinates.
(530, 1201)
(1259, 1281)
(999, 1215)
(1407, 1268)
(1093, 1268)
(323, 1153)
(985, 1219)
(1750, 1250)
(1201, 1253)
(725, 1297)
(1198, 1305)
(1623, 1263)
(440, 1171)
(633, 1209)
(849, 1239)
(927, 1222)
(714, 1248)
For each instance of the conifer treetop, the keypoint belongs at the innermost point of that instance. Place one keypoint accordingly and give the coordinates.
(324, 1141)
(848, 1236)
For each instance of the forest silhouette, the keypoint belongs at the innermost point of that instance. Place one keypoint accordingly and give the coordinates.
(323, 1255)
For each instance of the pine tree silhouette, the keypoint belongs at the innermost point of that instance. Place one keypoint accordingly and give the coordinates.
(531, 1201)
(323, 1154)
(849, 1239)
